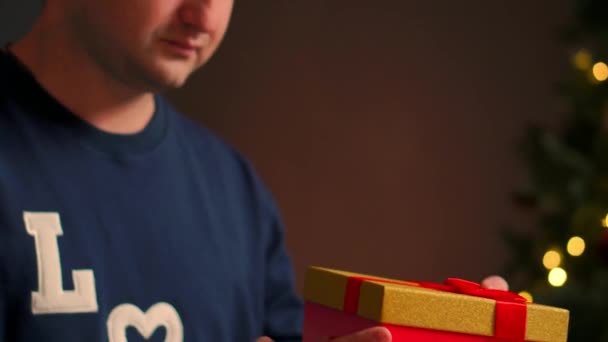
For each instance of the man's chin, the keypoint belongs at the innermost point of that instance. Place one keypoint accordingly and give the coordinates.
(167, 79)
(174, 83)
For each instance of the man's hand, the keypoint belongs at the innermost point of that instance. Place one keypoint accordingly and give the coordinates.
(375, 334)
(381, 334)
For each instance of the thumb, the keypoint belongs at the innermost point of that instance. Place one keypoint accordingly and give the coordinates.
(264, 339)
(495, 282)
(375, 334)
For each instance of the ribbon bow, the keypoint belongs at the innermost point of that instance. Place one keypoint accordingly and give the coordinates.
(470, 288)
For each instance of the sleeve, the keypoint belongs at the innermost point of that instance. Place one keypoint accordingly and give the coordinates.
(3, 306)
(3, 315)
(284, 310)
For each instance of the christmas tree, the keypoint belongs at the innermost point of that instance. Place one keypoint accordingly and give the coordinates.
(563, 260)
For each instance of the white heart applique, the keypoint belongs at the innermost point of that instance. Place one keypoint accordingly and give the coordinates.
(159, 315)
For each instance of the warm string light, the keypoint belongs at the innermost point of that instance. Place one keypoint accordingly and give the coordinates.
(582, 60)
(605, 221)
(557, 277)
(600, 71)
(576, 246)
(552, 259)
(527, 295)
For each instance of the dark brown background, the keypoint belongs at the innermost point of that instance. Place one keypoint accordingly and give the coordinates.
(386, 129)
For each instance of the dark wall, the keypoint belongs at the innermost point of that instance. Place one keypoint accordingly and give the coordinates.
(385, 129)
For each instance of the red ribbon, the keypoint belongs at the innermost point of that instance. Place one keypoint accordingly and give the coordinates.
(511, 310)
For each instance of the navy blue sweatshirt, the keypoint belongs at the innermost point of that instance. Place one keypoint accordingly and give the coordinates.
(164, 235)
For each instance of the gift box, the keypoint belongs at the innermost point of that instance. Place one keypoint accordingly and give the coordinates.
(339, 303)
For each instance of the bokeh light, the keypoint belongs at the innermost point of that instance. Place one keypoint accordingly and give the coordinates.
(576, 246)
(582, 60)
(526, 295)
(557, 277)
(600, 71)
(552, 259)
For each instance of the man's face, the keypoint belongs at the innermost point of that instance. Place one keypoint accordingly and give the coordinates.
(149, 44)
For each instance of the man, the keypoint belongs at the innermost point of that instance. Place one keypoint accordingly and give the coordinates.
(117, 212)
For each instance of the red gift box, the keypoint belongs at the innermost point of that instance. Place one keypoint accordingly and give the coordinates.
(340, 303)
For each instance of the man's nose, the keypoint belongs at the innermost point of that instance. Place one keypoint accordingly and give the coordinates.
(195, 15)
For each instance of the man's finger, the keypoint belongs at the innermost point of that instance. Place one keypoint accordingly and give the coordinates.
(375, 334)
(495, 282)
